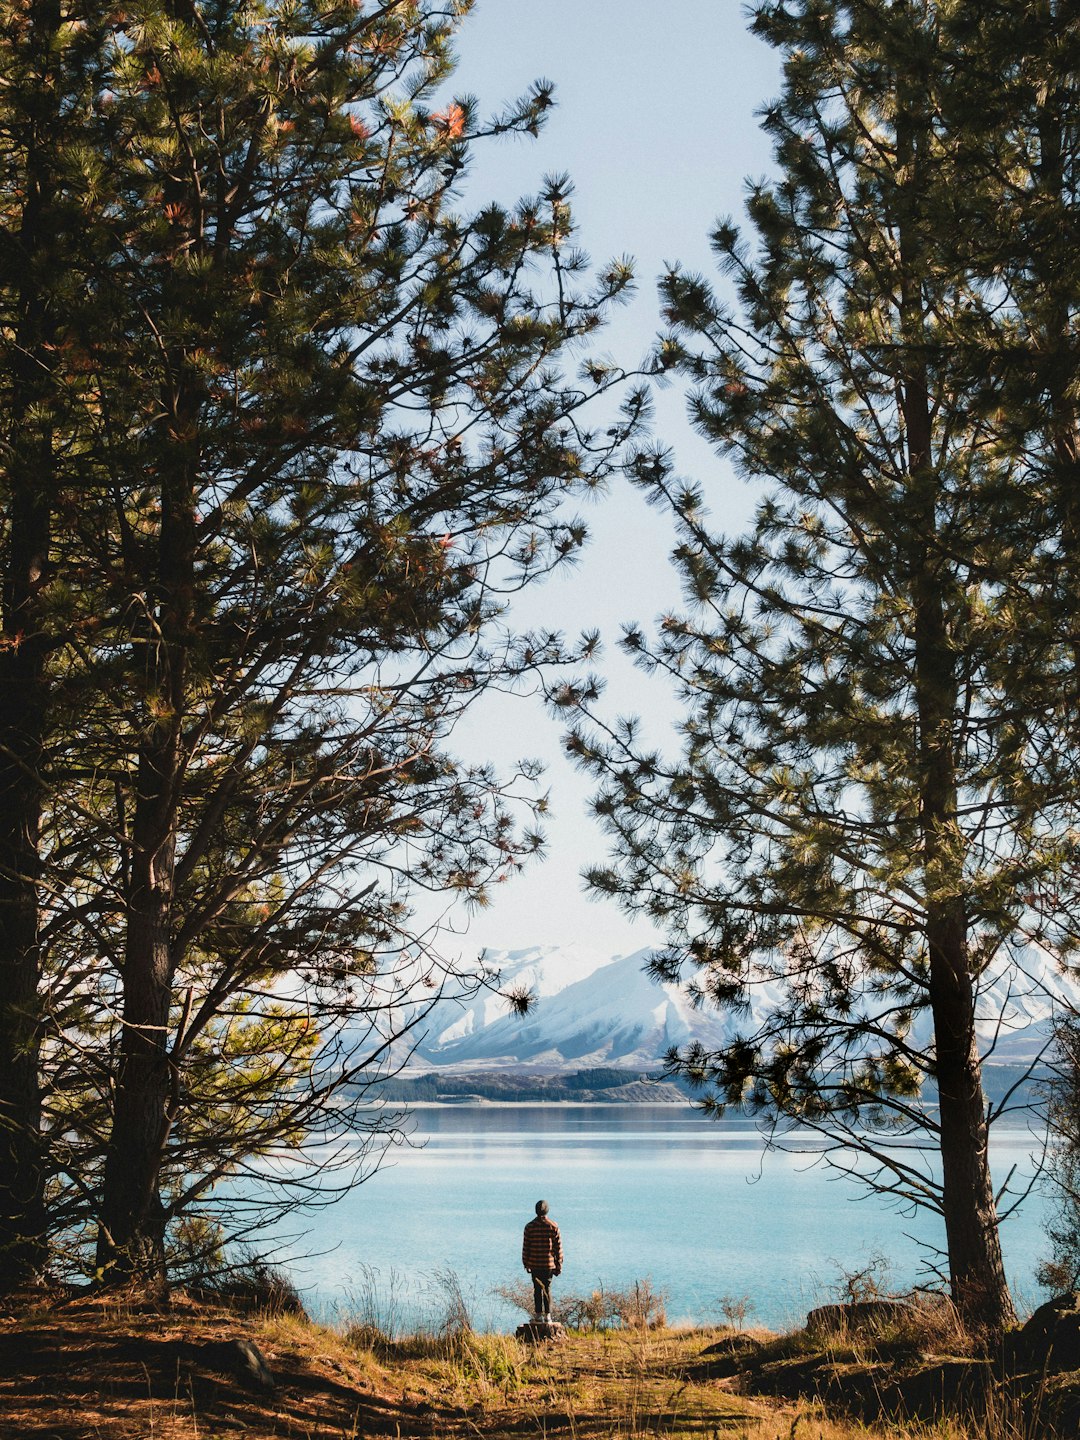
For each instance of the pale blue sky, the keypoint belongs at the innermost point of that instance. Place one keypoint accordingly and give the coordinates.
(655, 123)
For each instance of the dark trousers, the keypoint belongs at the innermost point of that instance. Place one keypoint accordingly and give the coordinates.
(542, 1291)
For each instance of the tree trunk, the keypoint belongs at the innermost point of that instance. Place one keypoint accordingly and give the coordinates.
(976, 1270)
(973, 1242)
(131, 1240)
(1052, 263)
(22, 706)
(30, 483)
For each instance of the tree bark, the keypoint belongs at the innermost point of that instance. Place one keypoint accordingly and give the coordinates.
(976, 1269)
(30, 483)
(973, 1242)
(1052, 262)
(131, 1239)
(22, 713)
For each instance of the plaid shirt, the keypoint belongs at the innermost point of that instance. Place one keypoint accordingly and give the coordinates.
(541, 1245)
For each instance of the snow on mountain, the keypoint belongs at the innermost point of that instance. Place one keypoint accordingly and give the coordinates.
(604, 1012)
(589, 1010)
(1017, 1007)
(541, 970)
(594, 1010)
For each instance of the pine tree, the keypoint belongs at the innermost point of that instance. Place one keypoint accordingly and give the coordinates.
(353, 441)
(329, 436)
(1060, 1272)
(1021, 69)
(861, 820)
(46, 69)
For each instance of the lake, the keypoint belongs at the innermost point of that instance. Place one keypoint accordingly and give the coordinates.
(656, 1191)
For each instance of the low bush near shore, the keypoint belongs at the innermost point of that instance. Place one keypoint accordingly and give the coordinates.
(639, 1306)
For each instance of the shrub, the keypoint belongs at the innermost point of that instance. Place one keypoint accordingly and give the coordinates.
(735, 1309)
(362, 1335)
(596, 1311)
(254, 1284)
(854, 1287)
(641, 1307)
(518, 1293)
(455, 1320)
(202, 1262)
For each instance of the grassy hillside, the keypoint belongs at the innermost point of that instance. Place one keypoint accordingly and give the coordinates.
(93, 1369)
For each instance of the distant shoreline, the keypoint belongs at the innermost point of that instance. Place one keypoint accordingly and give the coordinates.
(607, 1086)
(480, 1103)
(597, 1086)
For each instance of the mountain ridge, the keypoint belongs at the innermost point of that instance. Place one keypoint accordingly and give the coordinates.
(594, 1010)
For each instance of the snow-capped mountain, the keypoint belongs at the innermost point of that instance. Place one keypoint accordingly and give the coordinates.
(588, 1009)
(591, 1009)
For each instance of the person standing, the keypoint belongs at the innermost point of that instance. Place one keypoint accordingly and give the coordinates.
(542, 1257)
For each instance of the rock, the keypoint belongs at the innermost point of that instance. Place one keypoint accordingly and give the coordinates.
(860, 1316)
(947, 1388)
(737, 1343)
(241, 1358)
(876, 1390)
(539, 1332)
(1051, 1337)
(1059, 1398)
(734, 1355)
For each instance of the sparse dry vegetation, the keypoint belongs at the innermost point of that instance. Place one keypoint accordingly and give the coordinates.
(94, 1369)
(638, 1306)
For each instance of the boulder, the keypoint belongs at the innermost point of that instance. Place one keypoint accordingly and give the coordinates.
(859, 1316)
(539, 1332)
(239, 1357)
(956, 1387)
(1050, 1339)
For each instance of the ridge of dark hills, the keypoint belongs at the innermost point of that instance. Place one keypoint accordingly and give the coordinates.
(1014, 1083)
(581, 1087)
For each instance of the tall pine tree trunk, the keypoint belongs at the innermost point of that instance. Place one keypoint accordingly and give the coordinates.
(1053, 264)
(22, 710)
(131, 1242)
(976, 1269)
(973, 1242)
(30, 484)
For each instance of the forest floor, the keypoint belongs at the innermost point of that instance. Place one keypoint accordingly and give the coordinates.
(95, 1369)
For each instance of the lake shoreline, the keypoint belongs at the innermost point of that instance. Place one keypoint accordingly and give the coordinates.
(481, 1103)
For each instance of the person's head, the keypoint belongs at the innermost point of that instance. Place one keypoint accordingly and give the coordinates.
(541, 1207)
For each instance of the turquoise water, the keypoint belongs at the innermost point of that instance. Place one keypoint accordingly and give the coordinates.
(638, 1191)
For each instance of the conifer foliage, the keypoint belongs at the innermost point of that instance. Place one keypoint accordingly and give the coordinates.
(867, 820)
(1060, 1271)
(319, 431)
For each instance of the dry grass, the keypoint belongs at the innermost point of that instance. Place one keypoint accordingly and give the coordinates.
(90, 1369)
(810, 1424)
(93, 1370)
(610, 1384)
